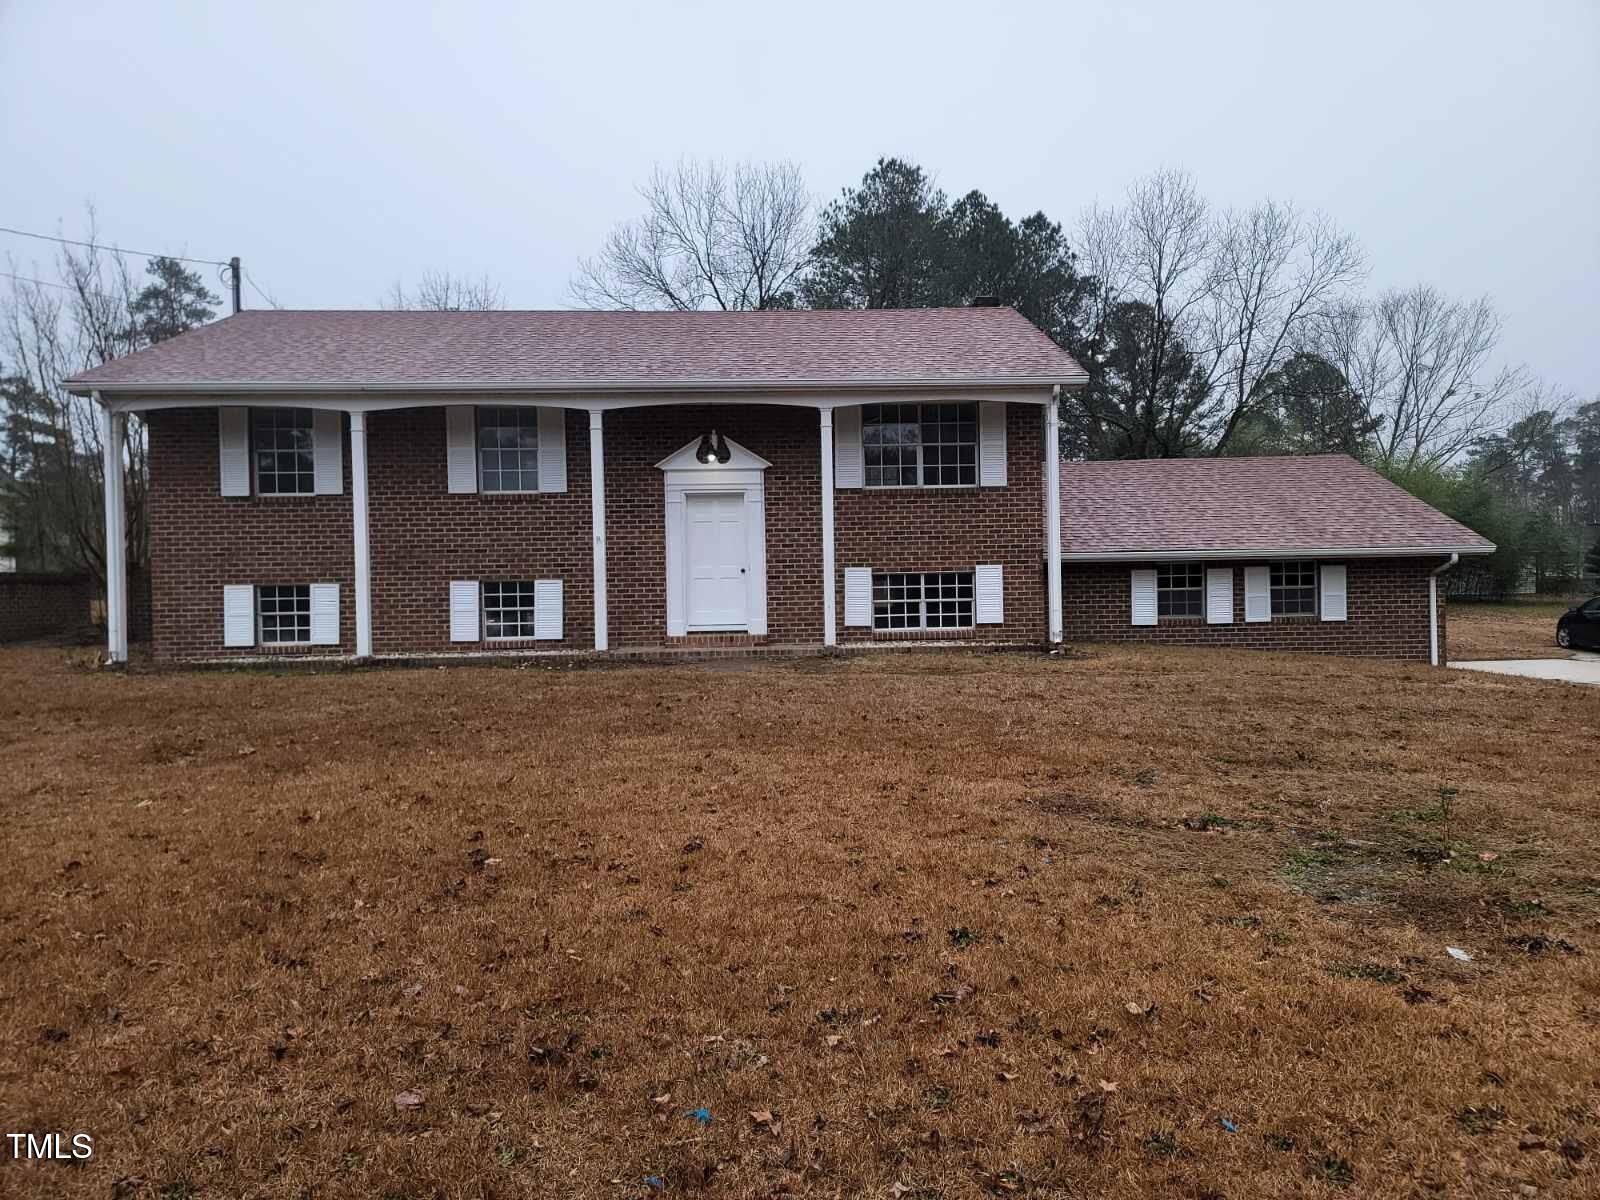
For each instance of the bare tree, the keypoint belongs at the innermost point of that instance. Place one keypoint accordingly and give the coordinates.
(1152, 259)
(1274, 274)
(1234, 294)
(52, 492)
(49, 334)
(710, 237)
(1423, 362)
(441, 291)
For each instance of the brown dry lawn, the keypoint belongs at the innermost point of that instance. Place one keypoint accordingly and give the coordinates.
(1511, 629)
(938, 925)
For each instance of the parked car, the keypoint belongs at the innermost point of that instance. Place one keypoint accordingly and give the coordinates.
(1579, 626)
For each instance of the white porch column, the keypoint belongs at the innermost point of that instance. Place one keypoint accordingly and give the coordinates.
(597, 516)
(113, 432)
(363, 545)
(1052, 509)
(829, 634)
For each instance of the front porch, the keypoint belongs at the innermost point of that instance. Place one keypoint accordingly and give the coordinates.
(639, 534)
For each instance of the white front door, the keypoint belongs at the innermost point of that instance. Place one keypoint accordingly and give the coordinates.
(719, 561)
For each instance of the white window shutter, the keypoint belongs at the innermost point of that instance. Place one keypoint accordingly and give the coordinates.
(464, 623)
(1335, 604)
(1257, 594)
(989, 595)
(858, 596)
(324, 614)
(1219, 595)
(991, 444)
(461, 449)
(848, 462)
(553, 451)
(327, 451)
(547, 610)
(238, 614)
(233, 452)
(1144, 596)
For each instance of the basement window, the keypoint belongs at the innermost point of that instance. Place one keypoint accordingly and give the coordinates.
(920, 445)
(1180, 590)
(1294, 589)
(508, 611)
(508, 450)
(283, 441)
(922, 600)
(284, 615)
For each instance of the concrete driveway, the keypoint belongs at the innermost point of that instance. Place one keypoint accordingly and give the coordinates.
(1579, 666)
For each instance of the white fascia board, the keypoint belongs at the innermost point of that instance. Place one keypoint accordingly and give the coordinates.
(1283, 552)
(618, 389)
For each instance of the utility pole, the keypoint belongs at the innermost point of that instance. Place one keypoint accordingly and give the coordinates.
(233, 273)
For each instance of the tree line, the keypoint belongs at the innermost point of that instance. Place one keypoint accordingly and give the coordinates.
(1203, 331)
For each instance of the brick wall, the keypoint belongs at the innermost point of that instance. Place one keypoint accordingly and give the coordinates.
(35, 605)
(201, 540)
(947, 529)
(636, 553)
(1387, 604)
(422, 537)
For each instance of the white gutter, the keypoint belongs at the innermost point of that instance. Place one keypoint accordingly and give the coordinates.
(1177, 555)
(1433, 608)
(479, 386)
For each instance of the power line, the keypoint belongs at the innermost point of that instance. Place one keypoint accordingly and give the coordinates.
(268, 300)
(41, 282)
(45, 237)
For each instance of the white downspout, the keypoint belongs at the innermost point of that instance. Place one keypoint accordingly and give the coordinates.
(1433, 608)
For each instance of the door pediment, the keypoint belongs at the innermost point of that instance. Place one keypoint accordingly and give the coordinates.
(740, 459)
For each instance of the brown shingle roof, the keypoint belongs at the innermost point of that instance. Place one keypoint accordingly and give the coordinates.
(580, 349)
(1326, 503)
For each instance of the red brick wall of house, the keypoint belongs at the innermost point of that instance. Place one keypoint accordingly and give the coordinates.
(947, 529)
(201, 540)
(636, 439)
(34, 604)
(422, 537)
(1387, 605)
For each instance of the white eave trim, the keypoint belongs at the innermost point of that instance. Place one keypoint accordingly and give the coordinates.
(235, 387)
(1256, 552)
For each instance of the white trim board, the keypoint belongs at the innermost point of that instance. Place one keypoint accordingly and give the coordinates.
(1035, 389)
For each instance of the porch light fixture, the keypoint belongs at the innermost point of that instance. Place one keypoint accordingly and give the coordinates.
(713, 448)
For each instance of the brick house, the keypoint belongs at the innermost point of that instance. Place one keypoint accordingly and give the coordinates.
(1315, 553)
(346, 483)
(419, 483)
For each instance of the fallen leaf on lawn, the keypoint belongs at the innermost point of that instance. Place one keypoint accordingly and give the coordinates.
(1005, 1076)
(1032, 1122)
(1107, 1086)
(408, 1100)
(834, 1039)
(761, 1116)
(1488, 856)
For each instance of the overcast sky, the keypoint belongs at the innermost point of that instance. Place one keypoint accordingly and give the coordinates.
(338, 147)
